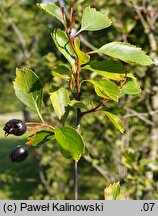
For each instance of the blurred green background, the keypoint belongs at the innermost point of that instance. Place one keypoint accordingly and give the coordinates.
(130, 158)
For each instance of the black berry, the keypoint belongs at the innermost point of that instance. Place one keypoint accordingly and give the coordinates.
(16, 127)
(19, 154)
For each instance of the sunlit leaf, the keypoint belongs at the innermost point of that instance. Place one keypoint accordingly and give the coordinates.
(84, 58)
(93, 20)
(126, 52)
(70, 142)
(60, 100)
(110, 69)
(115, 120)
(52, 10)
(130, 158)
(113, 192)
(148, 162)
(63, 45)
(28, 89)
(77, 104)
(131, 87)
(106, 89)
(129, 25)
(40, 137)
(61, 72)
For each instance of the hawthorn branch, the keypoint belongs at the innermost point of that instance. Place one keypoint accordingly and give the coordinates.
(43, 180)
(147, 23)
(142, 114)
(87, 43)
(109, 178)
(148, 30)
(20, 36)
(139, 115)
(77, 81)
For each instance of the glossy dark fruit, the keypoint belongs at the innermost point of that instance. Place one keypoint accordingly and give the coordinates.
(19, 154)
(15, 126)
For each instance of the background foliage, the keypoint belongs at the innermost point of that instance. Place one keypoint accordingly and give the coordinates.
(130, 158)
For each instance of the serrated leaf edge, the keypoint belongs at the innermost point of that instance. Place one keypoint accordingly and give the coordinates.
(127, 60)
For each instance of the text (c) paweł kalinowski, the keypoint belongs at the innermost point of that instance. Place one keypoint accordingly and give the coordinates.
(61, 207)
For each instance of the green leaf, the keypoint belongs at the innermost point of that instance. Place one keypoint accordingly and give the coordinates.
(60, 76)
(147, 162)
(115, 120)
(130, 158)
(125, 52)
(40, 137)
(60, 100)
(77, 104)
(70, 142)
(131, 87)
(110, 69)
(28, 89)
(113, 192)
(62, 72)
(62, 69)
(106, 89)
(63, 45)
(66, 114)
(129, 25)
(89, 101)
(52, 10)
(84, 58)
(93, 20)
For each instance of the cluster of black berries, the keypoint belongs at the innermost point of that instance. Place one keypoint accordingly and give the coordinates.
(17, 128)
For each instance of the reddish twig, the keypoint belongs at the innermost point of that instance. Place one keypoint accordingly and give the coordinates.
(64, 19)
(124, 82)
(72, 18)
(95, 108)
(70, 84)
(78, 64)
(40, 125)
(35, 129)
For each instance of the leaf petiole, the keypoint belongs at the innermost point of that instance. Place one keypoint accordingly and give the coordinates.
(41, 125)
